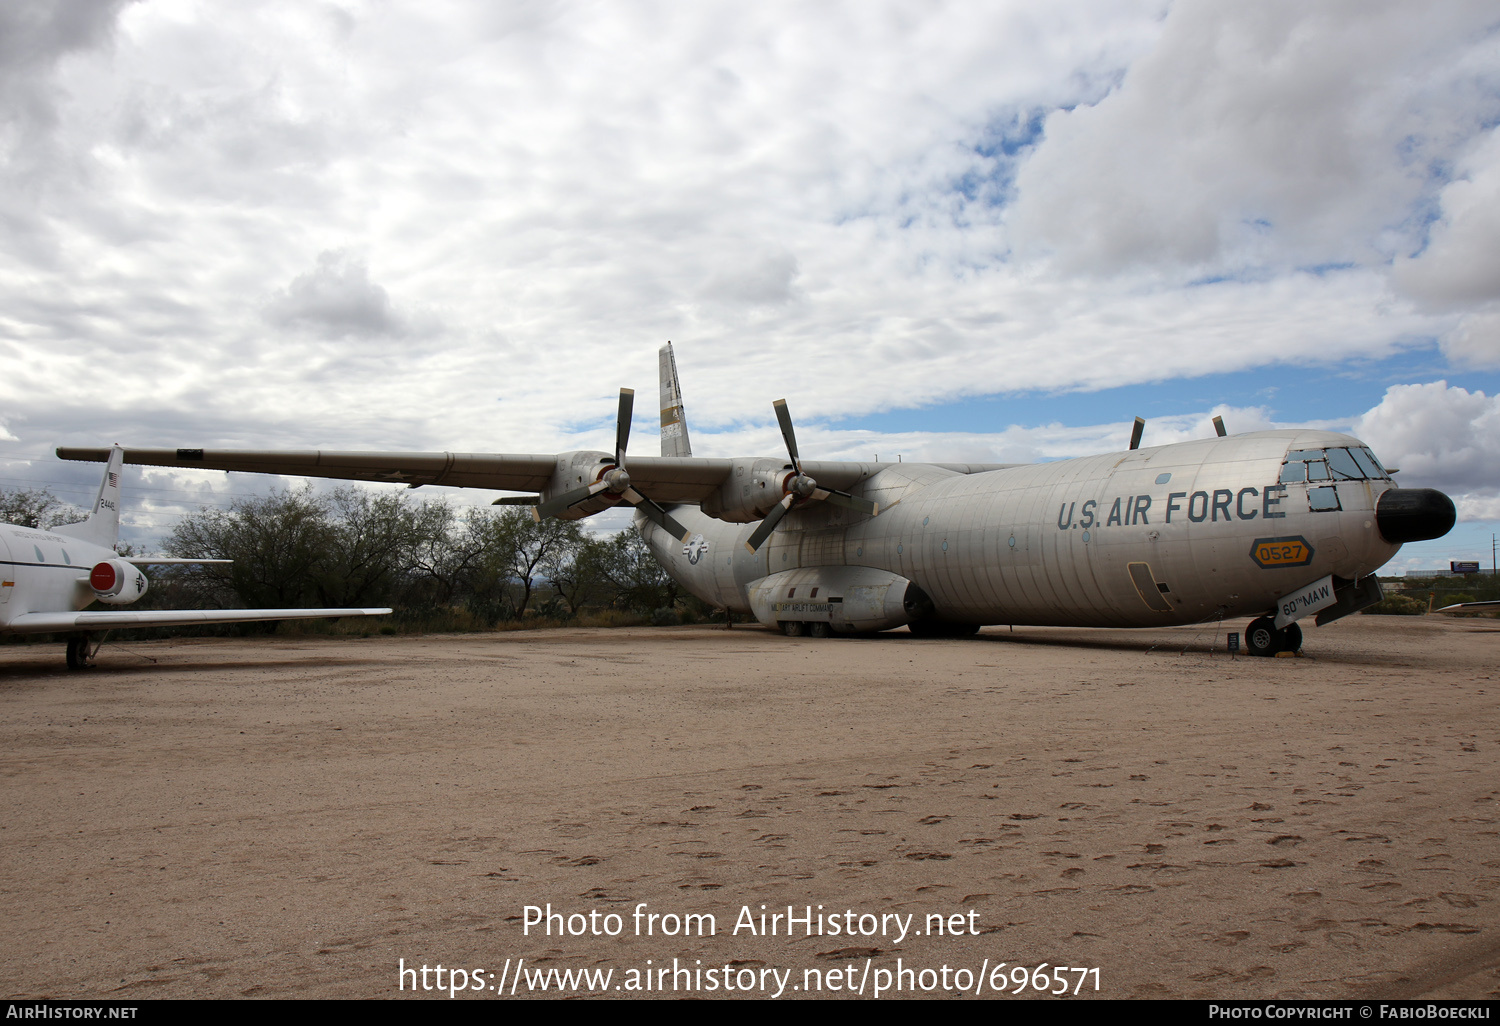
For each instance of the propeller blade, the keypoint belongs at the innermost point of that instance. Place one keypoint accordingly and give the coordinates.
(1135, 433)
(784, 418)
(847, 501)
(654, 513)
(761, 533)
(558, 503)
(622, 424)
(1219, 427)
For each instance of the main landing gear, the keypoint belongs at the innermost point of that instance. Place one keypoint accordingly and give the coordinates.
(811, 628)
(1262, 638)
(81, 651)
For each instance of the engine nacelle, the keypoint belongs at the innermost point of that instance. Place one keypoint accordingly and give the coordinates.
(578, 470)
(117, 583)
(849, 599)
(751, 489)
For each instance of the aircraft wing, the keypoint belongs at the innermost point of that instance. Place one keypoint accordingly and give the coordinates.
(466, 470)
(47, 623)
(1469, 607)
(667, 479)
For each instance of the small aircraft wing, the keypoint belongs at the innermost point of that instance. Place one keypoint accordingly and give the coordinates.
(169, 561)
(47, 623)
(1459, 608)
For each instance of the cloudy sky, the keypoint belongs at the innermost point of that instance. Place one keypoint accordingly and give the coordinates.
(978, 230)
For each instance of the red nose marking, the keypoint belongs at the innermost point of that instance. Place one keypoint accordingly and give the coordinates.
(102, 577)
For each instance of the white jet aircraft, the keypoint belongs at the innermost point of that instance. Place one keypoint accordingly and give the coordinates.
(1277, 525)
(48, 576)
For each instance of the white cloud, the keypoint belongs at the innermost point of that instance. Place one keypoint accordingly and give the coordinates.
(1268, 134)
(837, 203)
(1440, 437)
(336, 298)
(1461, 262)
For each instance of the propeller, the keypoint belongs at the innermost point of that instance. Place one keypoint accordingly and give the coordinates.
(616, 481)
(800, 487)
(1135, 432)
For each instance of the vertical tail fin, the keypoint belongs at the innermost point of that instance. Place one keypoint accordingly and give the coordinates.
(674, 432)
(103, 524)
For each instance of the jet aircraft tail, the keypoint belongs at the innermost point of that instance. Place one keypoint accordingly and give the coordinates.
(674, 432)
(102, 527)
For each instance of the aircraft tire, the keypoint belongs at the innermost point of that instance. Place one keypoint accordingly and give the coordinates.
(78, 653)
(791, 628)
(1262, 638)
(817, 629)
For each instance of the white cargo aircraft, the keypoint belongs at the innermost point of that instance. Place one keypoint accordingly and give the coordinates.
(48, 576)
(1277, 525)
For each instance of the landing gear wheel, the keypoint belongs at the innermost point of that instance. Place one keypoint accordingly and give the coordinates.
(1291, 638)
(817, 629)
(792, 628)
(1262, 638)
(80, 652)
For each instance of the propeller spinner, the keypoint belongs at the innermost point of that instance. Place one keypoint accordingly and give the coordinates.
(615, 481)
(800, 487)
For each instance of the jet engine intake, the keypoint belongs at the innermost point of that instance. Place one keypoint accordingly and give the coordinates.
(117, 583)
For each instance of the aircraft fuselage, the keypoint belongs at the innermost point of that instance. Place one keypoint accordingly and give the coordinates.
(45, 571)
(1166, 535)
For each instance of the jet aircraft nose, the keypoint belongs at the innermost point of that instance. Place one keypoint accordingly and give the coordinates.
(1414, 514)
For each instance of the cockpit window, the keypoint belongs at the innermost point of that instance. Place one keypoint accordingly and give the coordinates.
(1330, 465)
(1368, 463)
(1343, 466)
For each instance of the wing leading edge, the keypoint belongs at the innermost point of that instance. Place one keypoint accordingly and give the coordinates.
(667, 479)
(47, 623)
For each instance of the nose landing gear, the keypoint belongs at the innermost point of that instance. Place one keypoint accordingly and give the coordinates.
(1263, 638)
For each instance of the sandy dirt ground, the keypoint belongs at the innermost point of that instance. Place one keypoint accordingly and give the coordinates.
(299, 817)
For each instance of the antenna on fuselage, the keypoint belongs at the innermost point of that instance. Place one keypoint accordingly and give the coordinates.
(1136, 432)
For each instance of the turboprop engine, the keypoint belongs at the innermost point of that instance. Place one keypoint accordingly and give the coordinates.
(753, 488)
(586, 482)
(117, 583)
(844, 599)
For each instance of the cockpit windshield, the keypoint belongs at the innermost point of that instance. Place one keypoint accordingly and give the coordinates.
(1354, 464)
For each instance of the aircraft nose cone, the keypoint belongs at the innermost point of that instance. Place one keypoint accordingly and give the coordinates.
(1414, 514)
